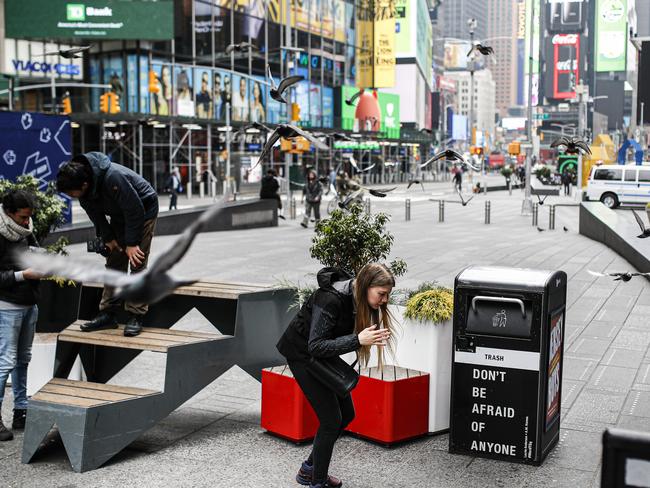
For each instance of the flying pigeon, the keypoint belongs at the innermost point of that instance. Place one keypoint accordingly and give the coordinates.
(353, 162)
(350, 101)
(73, 52)
(618, 276)
(415, 182)
(148, 286)
(339, 136)
(541, 200)
(277, 90)
(288, 131)
(484, 50)
(573, 145)
(242, 46)
(539, 229)
(451, 155)
(645, 232)
(254, 125)
(463, 202)
(565, 228)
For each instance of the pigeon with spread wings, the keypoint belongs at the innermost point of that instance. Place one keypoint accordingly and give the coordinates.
(484, 50)
(450, 155)
(277, 90)
(618, 276)
(350, 101)
(354, 164)
(572, 145)
(288, 131)
(72, 53)
(242, 46)
(148, 286)
(645, 232)
(463, 202)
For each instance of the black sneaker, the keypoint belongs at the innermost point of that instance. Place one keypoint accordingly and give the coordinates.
(304, 477)
(133, 327)
(282, 217)
(19, 419)
(105, 320)
(5, 434)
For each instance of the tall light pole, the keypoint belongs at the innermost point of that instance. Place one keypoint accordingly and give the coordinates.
(527, 204)
(472, 24)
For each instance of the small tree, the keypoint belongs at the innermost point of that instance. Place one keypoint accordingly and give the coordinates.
(48, 214)
(349, 240)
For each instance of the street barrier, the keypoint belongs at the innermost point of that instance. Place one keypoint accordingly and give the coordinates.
(507, 363)
(367, 205)
(292, 208)
(441, 210)
(407, 209)
(535, 213)
(551, 217)
(487, 211)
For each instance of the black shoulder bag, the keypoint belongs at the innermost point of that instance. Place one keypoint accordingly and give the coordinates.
(335, 374)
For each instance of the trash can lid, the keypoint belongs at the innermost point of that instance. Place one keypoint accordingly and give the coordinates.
(505, 277)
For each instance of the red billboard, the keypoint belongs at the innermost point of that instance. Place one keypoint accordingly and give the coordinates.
(566, 65)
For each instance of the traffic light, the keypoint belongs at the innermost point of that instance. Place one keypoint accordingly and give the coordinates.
(154, 86)
(103, 103)
(67, 104)
(295, 112)
(114, 103)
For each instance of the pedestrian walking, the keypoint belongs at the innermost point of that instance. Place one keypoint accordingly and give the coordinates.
(312, 192)
(344, 314)
(566, 182)
(18, 297)
(175, 187)
(269, 190)
(458, 180)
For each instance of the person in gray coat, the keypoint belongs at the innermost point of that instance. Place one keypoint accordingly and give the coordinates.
(312, 194)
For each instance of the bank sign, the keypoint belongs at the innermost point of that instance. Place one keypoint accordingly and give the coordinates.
(90, 19)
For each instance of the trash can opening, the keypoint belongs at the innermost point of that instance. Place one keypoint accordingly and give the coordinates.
(500, 316)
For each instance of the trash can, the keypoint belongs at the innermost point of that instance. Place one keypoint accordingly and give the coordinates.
(507, 363)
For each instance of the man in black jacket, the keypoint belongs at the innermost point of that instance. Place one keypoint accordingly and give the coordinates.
(269, 189)
(18, 296)
(106, 189)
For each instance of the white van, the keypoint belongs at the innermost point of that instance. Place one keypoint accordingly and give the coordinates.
(615, 184)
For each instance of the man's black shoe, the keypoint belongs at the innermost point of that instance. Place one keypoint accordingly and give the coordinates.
(105, 320)
(134, 326)
(5, 434)
(19, 418)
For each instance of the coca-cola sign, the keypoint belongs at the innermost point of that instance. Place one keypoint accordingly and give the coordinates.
(564, 39)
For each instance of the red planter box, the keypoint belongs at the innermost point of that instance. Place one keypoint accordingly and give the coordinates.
(285, 410)
(392, 406)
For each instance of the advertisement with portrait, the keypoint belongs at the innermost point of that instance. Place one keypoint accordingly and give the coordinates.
(315, 106)
(144, 84)
(114, 76)
(203, 93)
(161, 102)
(132, 83)
(221, 94)
(328, 107)
(183, 91)
(240, 101)
(258, 100)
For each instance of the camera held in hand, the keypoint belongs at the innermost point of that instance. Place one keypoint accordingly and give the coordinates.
(98, 246)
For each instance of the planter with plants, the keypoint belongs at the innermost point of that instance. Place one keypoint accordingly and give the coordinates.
(507, 171)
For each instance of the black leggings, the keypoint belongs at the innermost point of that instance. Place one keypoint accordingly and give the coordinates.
(334, 414)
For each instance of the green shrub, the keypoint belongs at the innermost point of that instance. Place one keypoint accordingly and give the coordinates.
(435, 305)
(350, 240)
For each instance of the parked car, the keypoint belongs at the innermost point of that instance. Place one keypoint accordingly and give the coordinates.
(616, 184)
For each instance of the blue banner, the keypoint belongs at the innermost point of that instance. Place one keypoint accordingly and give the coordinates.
(33, 143)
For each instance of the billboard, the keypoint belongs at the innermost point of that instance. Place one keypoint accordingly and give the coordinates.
(183, 91)
(611, 35)
(424, 49)
(566, 65)
(203, 90)
(376, 44)
(389, 107)
(89, 19)
(25, 59)
(33, 143)
(566, 16)
(403, 35)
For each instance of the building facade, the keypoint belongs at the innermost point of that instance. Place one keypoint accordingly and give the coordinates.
(454, 16)
(505, 25)
(483, 99)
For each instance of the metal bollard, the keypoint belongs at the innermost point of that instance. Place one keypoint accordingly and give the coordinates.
(292, 209)
(535, 212)
(509, 187)
(551, 217)
(441, 211)
(407, 209)
(487, 211)
(367, 205)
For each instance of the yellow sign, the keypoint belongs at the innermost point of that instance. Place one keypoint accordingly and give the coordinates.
(376, 43)
(295, 145)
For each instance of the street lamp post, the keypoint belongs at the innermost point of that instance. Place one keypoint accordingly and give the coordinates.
(472, 24)
(527, 204)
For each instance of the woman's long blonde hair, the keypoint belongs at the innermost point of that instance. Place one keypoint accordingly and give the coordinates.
(373, 274)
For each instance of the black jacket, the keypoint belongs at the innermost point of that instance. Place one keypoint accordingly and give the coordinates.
(121, 194)
(324, 326)
(23, 292)
(270, 187)
(313, 191)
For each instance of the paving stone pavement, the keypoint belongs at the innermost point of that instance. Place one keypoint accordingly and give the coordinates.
(215, 439)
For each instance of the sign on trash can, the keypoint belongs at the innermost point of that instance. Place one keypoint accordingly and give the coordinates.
(507, 363)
